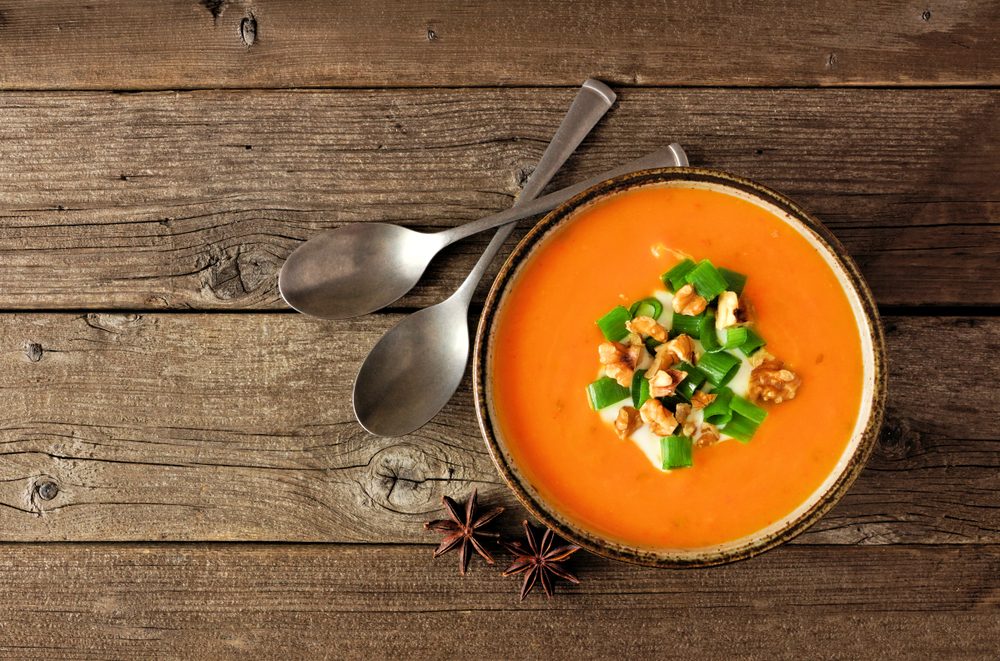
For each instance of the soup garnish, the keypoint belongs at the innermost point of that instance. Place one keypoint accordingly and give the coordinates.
(684, 368)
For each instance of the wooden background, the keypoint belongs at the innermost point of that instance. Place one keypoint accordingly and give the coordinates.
(180, 472)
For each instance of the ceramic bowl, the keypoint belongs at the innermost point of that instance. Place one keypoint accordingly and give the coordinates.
(851, 461)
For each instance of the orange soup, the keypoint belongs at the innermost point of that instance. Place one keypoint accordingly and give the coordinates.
(544, 357)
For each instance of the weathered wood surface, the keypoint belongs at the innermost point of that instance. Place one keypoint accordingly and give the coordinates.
(234, 601)
(193, 200)
(238, 427)
(65, 44)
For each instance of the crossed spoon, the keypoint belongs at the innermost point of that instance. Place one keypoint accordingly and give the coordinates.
(417, 366)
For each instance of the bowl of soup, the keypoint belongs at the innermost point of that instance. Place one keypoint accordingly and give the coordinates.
(679, 367)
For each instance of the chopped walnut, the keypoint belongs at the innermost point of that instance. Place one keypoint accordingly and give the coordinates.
(647, 327)
(619, 361)
(682, 348)
(681, 412)
(700, 399)
(661, 421)
(662, 359)
(707, 435)
(771, 381)
(725, 315)
(627, 422)
(665, 382)
(687, 301)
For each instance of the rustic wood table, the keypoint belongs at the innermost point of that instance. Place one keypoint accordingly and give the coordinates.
(180, 471)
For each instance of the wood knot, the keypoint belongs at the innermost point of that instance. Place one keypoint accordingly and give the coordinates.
(237, 273)
(248, 30)
(46, 489)
(431, 35)
(407, 479)
(34, 351)
(926, 15)
(831, 60)
(214, 7)
(113, 323)
(898, 440)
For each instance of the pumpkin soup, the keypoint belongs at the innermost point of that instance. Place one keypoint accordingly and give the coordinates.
(543, 361)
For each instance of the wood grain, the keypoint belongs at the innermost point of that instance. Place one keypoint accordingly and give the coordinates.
(96, 601)
(193, 200)
(65, 44)
(195, 427)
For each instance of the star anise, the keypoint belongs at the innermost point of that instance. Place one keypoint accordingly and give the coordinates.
(463, 530)
(540, 561)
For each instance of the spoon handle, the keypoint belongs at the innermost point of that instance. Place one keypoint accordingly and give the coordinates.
(671, 156)
(591, 103)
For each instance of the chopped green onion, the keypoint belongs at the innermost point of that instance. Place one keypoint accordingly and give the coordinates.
(685, 324)
(719, 412)
(740, 428)
(695, 377)
(604, 392)
(751, 412)
(735, 337)
(640, 388)
(651, 344)
(674, 278)
(734, 281)
(613, 323)
(707, 280)
(753, 342)
(647, 307)
(706, 333)
(676, 452)
(719, 367)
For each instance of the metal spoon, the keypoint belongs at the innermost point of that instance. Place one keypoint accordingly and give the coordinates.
(418, 364)
(362, 267)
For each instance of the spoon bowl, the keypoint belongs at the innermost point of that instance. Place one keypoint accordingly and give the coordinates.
(355, 269)
(414, 370)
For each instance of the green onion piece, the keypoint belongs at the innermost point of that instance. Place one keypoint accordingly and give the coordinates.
(734, 281)
(695, 378)
(676, 452)
(753, 342)
(651, 344)
(751, 412)
(613, 323)
(647, 307)
(706, 333)
(674, 278)
(640, 388)
(707, 280)
(604, 392)
(735, 337)
(719, 411)
(684, 324)
(740, 428)
(719, 367)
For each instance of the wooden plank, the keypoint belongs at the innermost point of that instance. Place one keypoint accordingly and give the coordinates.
(193, 200)
(64, 44)
(100, 601)
(238, 427)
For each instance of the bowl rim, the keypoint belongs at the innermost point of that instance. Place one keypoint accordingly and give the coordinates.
(666, 558)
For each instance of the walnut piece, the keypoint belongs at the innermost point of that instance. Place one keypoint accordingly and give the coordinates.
(682, 412)
(725, 315)
(661, 421)
(662, 359)
(627, 422)
(619, 361)
(707, 435)
(700, 399)
(682, 348)
(647, 327)
(771, 381)
(687, 301)
(665, 382)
